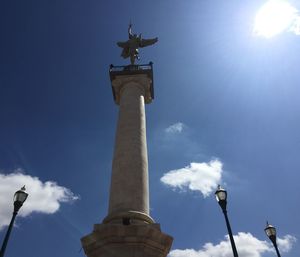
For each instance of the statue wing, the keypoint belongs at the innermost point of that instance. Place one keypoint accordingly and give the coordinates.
(126, 51)
(147, 42)
(123, 44)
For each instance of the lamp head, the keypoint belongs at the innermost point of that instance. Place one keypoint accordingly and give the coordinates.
(19, 198)
(271, 232)
(221, 196)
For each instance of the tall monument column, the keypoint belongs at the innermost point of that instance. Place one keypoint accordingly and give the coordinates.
(128, 230)
(129, 192)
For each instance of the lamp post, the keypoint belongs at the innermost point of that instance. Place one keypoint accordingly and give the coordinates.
(271, 233)
(19, 198)
(221, 196)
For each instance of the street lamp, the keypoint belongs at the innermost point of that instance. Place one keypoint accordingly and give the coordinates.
(19, 198)
(271, 233)
(221, 196)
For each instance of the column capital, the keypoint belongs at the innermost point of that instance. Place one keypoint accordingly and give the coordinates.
(142, 81)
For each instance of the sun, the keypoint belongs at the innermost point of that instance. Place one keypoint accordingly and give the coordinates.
(274, 17)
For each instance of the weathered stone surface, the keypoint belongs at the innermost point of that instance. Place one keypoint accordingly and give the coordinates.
(112, 240)
(129, 190)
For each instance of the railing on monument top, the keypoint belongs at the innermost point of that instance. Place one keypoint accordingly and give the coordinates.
(146, 69)
(139, 67)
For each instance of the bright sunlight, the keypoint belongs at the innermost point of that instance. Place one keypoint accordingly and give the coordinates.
(274, 17)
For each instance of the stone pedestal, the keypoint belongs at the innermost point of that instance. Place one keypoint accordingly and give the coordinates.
(113, 240)
(128, 230)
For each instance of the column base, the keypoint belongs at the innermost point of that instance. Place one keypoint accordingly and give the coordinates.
(131, 217)
(134, 240)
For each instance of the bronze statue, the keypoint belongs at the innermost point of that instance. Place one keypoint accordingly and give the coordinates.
(132, 45)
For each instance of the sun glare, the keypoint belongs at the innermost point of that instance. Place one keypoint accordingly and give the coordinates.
(274, 17)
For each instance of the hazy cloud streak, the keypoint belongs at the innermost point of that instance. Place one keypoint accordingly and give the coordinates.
(295, 27)
(175, 128)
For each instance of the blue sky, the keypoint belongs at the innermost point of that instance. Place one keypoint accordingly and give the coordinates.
(226, 110)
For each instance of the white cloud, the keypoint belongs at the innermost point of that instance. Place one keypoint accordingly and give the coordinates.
(247, 246)
(285, 244)
(43, 197)
(175, 128)
(203, 177)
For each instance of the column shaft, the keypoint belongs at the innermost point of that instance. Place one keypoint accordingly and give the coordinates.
(129, 189)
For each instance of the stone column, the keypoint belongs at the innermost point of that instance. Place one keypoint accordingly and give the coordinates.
(129, 191)
(128, 230)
